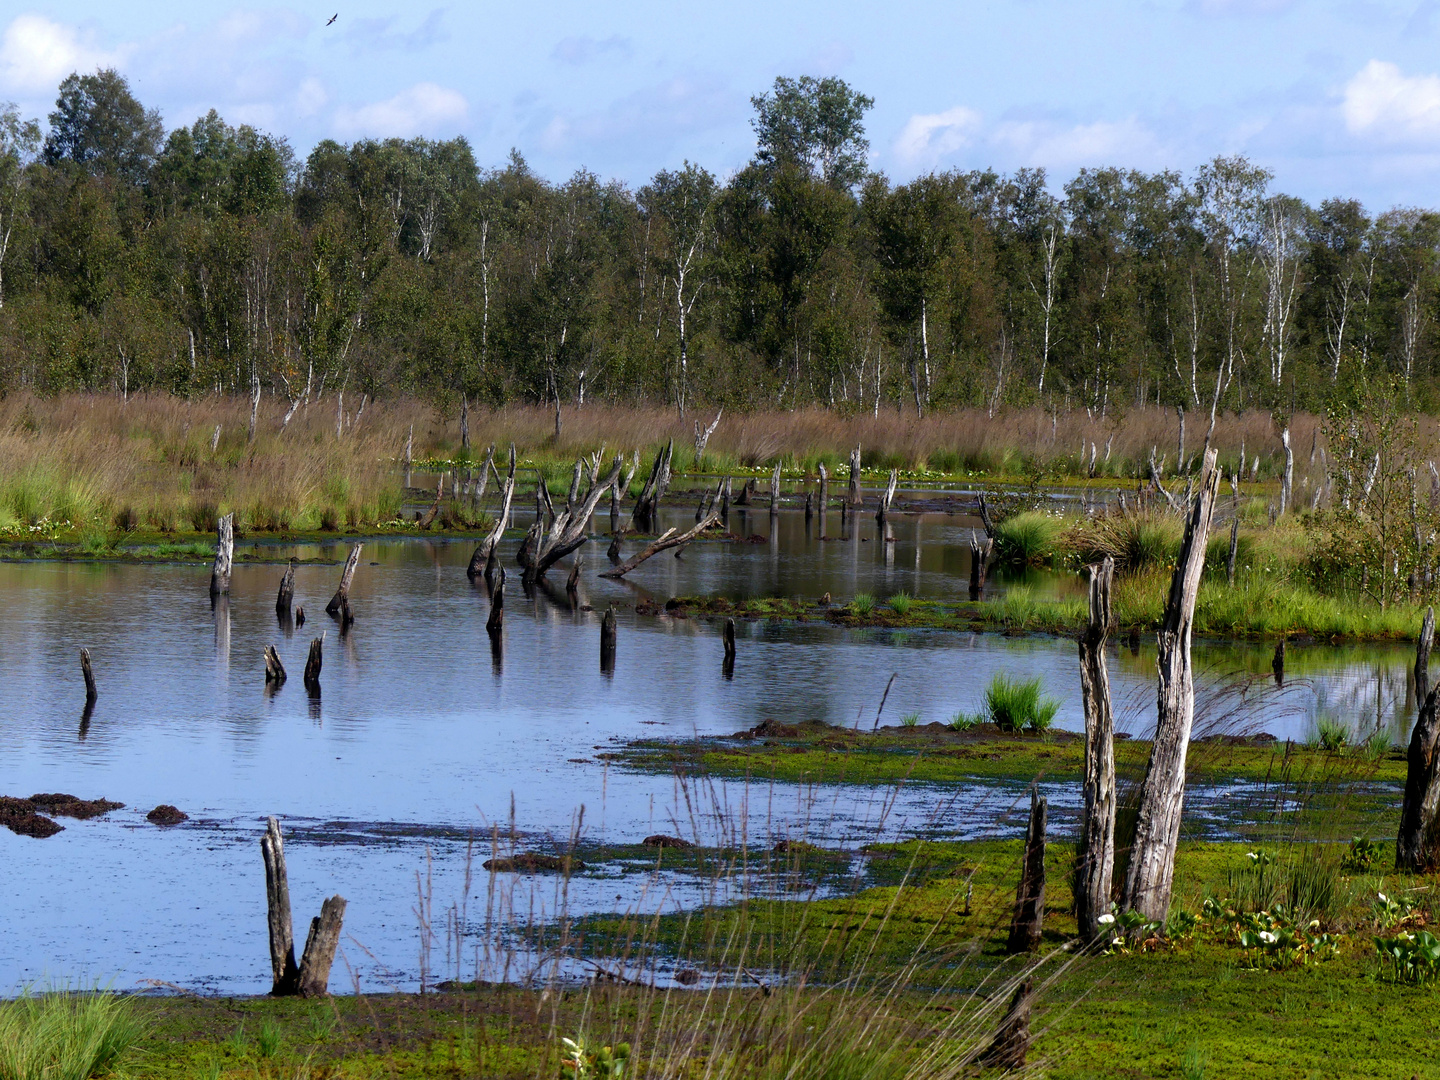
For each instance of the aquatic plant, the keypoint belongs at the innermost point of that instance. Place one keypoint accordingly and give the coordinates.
(65, 1035)
(900, 603)
(1331, 734)
(963, 721)
(1016, 704)
(910, 719)
(1411, 958)
(1027, 539)
(862, 604)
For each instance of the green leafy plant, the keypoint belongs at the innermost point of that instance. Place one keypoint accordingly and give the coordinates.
(1362, 855)
(1412, 958)
(1390, 910)
(900, 603)
(1331, 735)
(862, 604)
(582, 1063)
(1013, 704)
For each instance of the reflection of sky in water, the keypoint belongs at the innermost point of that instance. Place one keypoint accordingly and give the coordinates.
(418, 725)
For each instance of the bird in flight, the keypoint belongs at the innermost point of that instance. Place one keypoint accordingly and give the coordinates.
(333, 18)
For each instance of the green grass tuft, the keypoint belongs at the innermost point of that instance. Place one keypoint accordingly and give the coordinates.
(65, 1036)
(1016, 704)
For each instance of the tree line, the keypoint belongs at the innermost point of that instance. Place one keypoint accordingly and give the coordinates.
(212, 259)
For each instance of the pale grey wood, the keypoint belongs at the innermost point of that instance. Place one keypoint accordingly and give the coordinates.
(1415, 844)
(887, 498)
(566, 532)
(775, 491)
(277, 904)
(313, 979)
(1287, 479)
(224, 555)
(824, 497)
(1028, 920)
(669, 539)
(1151, 871)
(855, 495)
(274, 669)
(482, 554)
(1095, 859)
(702, 437)
(347, 576)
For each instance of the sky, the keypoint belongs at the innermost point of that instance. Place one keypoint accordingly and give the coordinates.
(1337, 99)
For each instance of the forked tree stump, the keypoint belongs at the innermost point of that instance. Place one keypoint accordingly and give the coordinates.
(311, 977)
(979, 558)
(312, 664)
(608, 637)
(274, 670)
(286, 596)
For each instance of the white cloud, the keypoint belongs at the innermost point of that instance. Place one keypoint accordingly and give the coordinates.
(928, 137)
(1382, 101)
(424, 109)
(1127, 142)
(36, 53)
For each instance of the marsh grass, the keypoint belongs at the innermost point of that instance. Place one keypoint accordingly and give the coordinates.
(1027, 539)
(900, 603)
(65, 1035)
(862, 604)
(1018, 704)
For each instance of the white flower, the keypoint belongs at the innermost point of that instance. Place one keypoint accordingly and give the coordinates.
(1383, 898)
(1106, 919)
(1267, 937)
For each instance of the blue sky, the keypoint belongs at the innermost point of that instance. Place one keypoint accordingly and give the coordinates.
(1335, 98)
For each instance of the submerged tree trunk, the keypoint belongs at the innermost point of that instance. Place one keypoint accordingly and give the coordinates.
(1417, 845)
(1095, 862)
(342, 594)
(1151, 870)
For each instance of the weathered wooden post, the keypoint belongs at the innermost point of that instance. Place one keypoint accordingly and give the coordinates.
(1095, 861)
(884, 512)
(286, 595)
(607, 642)
(311, 978)
(1277, 662)
(979, 557)
(485, 552)
(824, 497)
(224, 555)
(855, 496)
(313, 664)
(496, 622)
(1029, 918)
(775, 491)
(90, 692)
(342, 594)
(728, 636)
(572, 583)
(1151, 871)
(1416, 843)
(274, 669)
(1012, 1041)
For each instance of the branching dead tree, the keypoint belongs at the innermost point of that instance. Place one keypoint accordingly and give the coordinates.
(497, 530)
(1150, 874)
(648, 505)
(566, 532)
(669, 539)
(311, 978)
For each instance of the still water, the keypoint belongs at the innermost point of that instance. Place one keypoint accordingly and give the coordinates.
(421, 738)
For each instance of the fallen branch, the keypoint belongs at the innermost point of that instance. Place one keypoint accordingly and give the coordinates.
(669, 539)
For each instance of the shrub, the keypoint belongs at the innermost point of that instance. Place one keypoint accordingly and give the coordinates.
(1026, 539)
(1013, 704)
(64, 1036)
(1136, 541)
(900, 604)
(1363, 854)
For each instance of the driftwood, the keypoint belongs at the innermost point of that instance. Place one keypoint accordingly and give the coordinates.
(429, 518)
(286, 596)
(854, 495)
(1095, 860)
(313, 664)
(482, 554)
(1417, 844)
(888, 497)
(979, 557)
(664, 542)
(224, 555)
(342, 594)
(311, 977)
(608, 635)
(1012, 1041)
(566, 533)
(1150, 874)
(274, 669)
(90, 692)
(775, 491)
(648, 505)
(1028, 920)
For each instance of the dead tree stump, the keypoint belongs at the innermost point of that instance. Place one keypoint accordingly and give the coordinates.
(647, 507)
(572, 583)
(1095, 861)
(854, 496)
(824, 497)
(979, 557)
(747, 492)
(274, 670)
(809, 507)
(90, 692)
(1151, 871)
(496, 622)
(1418, 842)
(1012, 1041)
(311, 977)
(1029, 918)
(224, 555)
(286, 595)
(775, 490)
(885, 500)
(312, 664)
(485, 552)
(607, 642)
(342, 594)
(728, 636)
(1277, 662)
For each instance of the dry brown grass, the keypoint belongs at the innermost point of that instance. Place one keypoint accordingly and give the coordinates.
(94, 460)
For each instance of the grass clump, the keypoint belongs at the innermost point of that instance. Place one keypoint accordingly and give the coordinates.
(963, 721)
(900, 603)
(65, 1036)
(1017, 704)
(910, 719)
(862, 604)
(1331, 735)
(1027, 539)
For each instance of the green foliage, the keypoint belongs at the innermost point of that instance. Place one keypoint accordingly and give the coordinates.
(269, 1040)
(1331, 735)
(1016, 704)
(964, 721)
(900, 603)
(1027, 539)
(580, 1062)
(1410, 958)
(862, 604)
(910, 719)
(1363, 855)
(65, 1036)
